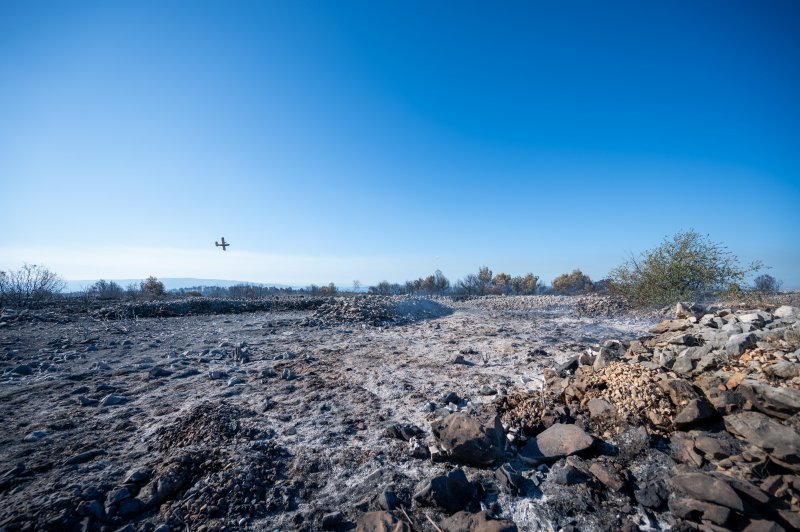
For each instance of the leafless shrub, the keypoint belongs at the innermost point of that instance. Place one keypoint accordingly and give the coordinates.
(29, 286)
(106, 290)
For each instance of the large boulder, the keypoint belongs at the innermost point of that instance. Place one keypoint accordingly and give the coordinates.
(781, 442)
(704, 487)
(786, 311)
(556, 442)
(783, 369)
(694, 510)
(778, 402)
(475, 440)
(739, 343)
(381, 522)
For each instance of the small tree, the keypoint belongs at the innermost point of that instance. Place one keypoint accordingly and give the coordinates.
(469, 285)
(329, 290)
(29, 286)
(525, 285)
(576, 282)
(152, 288)
(356, 286)
(484, 279)
(441, 284)
(501, 283)
(767, 284)
(685, 267)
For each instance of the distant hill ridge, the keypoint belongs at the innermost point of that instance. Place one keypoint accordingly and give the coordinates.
(170, 283)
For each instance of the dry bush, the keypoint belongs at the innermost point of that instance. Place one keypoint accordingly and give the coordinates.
(576, 282)
(29, 286)
(152, 288)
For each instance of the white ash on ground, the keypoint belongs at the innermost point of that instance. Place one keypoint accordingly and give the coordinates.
(493, 414)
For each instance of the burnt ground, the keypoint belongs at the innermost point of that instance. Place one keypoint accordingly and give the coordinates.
(261, 420)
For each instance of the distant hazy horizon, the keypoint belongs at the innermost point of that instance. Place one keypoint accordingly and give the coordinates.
(358, 140)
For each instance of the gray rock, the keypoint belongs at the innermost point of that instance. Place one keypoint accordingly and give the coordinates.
(558, 441)
(567, 475)
(83, 457)
(671, 326)
(651, 494)
(332, 520)
(217, 375)
(508, 478)
(477, 522)
(697, 411)
(158, 372)
(487, 390)
(607, 476)
(35, 436)
(686, 339)
(756, 319)
(786, 312)
(85, 401)
(685, 310)
(417, 449)
(783, 369)
(387, 500)
(778, 402)
(475, 440)
(781, 442)
(707, 488)
(453, 492)
(599, 407)
(403, 432)
(233, 381)
(112, 400)
(731, 329)
(695, 510)
(683, 365)
(23, 369)
(680, 391)
(374, 521)
(707, 362)
(739, 343)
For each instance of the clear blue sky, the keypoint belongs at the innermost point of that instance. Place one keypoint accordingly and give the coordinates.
(340, 141)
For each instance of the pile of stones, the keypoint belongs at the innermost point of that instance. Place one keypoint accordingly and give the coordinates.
(377, 311)
(195, 306)
(594, 305)
(694, 427)
(712, 398)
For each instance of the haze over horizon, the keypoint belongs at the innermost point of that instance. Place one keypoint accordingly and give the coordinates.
(354, 140)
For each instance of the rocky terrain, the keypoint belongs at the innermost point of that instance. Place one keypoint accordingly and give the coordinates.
(371, 413)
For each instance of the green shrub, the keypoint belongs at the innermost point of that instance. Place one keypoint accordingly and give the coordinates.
(685, 267)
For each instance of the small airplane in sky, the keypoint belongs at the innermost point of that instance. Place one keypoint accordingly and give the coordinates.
(224, 245)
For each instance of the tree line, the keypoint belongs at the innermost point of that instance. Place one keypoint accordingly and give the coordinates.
(685, 267)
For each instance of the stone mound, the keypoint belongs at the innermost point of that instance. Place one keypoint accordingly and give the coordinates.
(377, 311)
(206, 424)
